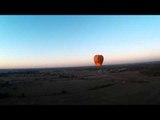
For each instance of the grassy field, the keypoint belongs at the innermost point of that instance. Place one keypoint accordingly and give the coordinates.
(127, 84)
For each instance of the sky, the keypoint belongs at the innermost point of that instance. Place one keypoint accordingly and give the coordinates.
(30, 41)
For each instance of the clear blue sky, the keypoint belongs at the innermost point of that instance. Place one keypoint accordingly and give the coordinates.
(73, 40)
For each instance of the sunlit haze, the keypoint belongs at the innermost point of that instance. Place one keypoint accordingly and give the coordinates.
(73, 40)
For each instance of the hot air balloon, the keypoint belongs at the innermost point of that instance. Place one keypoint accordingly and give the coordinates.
(98, 59)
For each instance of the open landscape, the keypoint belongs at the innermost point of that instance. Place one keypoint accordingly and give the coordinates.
(126, 84)
(79, 60)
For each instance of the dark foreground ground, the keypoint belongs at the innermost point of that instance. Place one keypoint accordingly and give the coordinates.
(134, 84)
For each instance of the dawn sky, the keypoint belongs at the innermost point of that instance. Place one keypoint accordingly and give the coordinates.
(73, 40)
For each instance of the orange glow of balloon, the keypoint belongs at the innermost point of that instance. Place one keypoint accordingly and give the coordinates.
(98, 60)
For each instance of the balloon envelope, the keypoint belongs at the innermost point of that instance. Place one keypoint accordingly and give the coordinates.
(98, 60)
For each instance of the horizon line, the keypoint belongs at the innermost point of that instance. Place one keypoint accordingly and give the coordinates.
(78, 66)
